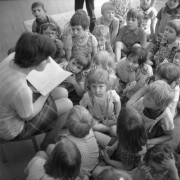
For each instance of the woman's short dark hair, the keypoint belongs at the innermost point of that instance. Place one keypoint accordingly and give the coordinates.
(64, 161)
(31, 49)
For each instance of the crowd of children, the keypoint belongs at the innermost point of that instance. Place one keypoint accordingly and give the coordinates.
(135, 65)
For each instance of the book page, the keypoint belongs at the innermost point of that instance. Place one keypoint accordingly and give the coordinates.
(45, 81)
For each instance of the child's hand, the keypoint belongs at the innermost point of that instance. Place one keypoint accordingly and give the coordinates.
(109, 150)
(169, 164)
(71, 79)
(105, 156)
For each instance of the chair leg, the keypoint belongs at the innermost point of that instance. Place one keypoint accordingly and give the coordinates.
(3, 155)
(35, 143)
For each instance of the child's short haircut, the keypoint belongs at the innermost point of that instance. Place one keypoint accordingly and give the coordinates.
(80, 18)
(99, 76)
(158, 153)
(79, 121)
(31, 49)
(37, 4)
(113, 174)
(45, 26)
(135, 13)
(169, 72)
(161, 93)
(105, 60)
(107, 6)
(139, 54)
(81, 59)
(64, 161)
(101, 31)
(175, 24)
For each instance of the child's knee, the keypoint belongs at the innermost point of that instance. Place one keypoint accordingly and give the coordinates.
(50, 148)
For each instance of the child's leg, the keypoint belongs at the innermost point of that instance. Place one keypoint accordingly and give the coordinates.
(112, 131)
(98, 170)
(59, 92)
(119, 46)
(50, 148)
(101, 128)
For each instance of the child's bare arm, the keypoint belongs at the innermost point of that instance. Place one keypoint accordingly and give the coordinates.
(117, 107)
(68, 54)
(115, 30)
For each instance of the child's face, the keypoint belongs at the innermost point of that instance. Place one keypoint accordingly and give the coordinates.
(170, 33)
(176, 59)
(145, 4)
(132, 63)
(50, 33)
(39, 12)
(74, 67)
(132, 23)
(172, 4)
(101, 40)
(108, 15)
(77, 31)
(149, 102)
(98, 89)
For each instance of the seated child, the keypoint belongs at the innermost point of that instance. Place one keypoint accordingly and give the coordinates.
(133, 72)
(108, 19)
(130, 35)
(103, 104)
(160, 163)
(155, 112)
(50, 30)
(102, 35)
(130, 147)
(166, 46)
(39, 13)
(149, 17)
(64, 162)
(80, 39)
(79, 125)
(77, 65)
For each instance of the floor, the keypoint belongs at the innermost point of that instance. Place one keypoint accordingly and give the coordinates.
(12, 15)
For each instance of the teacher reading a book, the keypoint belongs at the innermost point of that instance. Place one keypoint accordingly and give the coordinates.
(24, 113)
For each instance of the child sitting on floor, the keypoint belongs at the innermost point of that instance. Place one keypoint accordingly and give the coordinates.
(102, 35)
(165, 47)
(155, 112)
(39, 13)
(108, 19)
(64, 162)
(50, 30)
(160, 163)
(80, 39)
(130, 35)
(103, 104)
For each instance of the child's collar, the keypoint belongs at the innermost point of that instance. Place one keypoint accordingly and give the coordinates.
(147, 11)
(135, 31)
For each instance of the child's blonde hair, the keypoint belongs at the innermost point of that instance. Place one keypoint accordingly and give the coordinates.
(99, 76)
(161, 93)
(105, 60)
(107, 6)
(79, 121)
(101, 31)
(175, 24)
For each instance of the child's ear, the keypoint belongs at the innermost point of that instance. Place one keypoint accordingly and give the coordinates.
(173, 84)
(86, 29)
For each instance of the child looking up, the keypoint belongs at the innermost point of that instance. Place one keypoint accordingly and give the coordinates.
(155, 112)
(108, 19)
(130, 35)
(149, 17)
(64, 162)
(171, 11)
(80, 39)
(103, 104)
(50, 30)
(160, 163)
(166, 46)
(102, 35)
(39, 12)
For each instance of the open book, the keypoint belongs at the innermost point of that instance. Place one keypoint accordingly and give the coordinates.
(45, 81)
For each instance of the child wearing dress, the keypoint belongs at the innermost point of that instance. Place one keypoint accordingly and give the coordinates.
(154, 108)
(130, 35)
(80, 39)
(39, 12)
(50, 30)
(64, 162)
(102, 35)
(149, 17)
(165, 47)
(108, 19)
(79, 126)
(159, 163)
(103, 104)
(130, 147)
